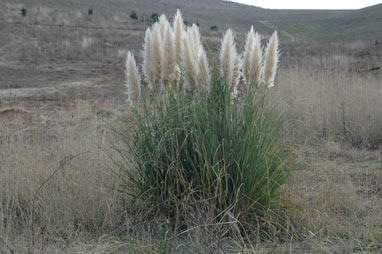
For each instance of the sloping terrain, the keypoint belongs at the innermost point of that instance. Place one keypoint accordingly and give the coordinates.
(306, 24)
(363, 24)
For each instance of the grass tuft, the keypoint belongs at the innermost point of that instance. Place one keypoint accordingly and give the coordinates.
(192, 152)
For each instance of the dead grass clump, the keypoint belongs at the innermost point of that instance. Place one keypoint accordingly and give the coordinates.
(341, 206)
(57, 183)
(335, 105)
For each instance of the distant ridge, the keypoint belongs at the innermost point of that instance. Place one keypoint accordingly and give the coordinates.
(359, 24)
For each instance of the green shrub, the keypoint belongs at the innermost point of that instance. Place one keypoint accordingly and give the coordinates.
(23, 12)
(192, 147)
(154, 17)
(214, 28)
(208, 145)
(90, 11)
(133, 15)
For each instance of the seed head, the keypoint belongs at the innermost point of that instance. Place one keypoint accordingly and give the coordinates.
(228, 57)
(248, 54)
(168, 63)
(133, 79)
(204, 76)
(147, 58)
(178, 34)
(271, 60)
(157, 51)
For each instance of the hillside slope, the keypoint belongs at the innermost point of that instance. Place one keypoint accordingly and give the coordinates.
(305, 24)
(363, 24)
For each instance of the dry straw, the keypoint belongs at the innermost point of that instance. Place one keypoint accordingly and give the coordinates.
(148, 69)
(133, 80)
(271, 60)
(174, 54)
(253, 58)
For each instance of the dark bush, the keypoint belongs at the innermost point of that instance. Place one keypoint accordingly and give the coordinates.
(133, 15)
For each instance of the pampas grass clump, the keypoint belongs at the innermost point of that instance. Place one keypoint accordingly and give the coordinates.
(174, 55)
(210, 146)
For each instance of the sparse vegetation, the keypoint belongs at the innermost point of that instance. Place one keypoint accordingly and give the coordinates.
(23, 12)
(154, 17)
(214, 28)
(133, 15)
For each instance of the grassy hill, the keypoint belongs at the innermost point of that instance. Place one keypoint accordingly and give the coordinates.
(305, 24)
(350, 25)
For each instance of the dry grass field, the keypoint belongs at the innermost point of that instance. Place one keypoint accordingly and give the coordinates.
(62, 92)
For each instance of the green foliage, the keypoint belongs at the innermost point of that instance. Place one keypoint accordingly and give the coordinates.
(197, 23)
(214, 28)
(23, 12)
(154, 17)
(189, 147)
(133, 15)
(90, 11)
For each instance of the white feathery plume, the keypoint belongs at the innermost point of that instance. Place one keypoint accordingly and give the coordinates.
(204, 76)
(157, 51)
(189, 63)
(228, 56)
(194, 36)
(256, 62)
(147, 58)
(271, 60)
(163, 23)
(133, 79)
(178, 34)
(168, 63)
(238, 62)
(248, 53)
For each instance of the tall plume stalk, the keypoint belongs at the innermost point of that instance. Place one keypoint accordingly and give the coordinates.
(189, 62)
(133, 80)
(169, 57)
(157, 52)
(148, 67)
(178, 34)
(204, 76)
(228, 59)
(256, 63)
(248, 54)
(175, 54)
(252, 58)
(271, 60)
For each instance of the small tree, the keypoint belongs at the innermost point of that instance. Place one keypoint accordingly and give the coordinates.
(154, 17)
(133, 15)
(214, 28)
(23, 12)
(90, 11)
